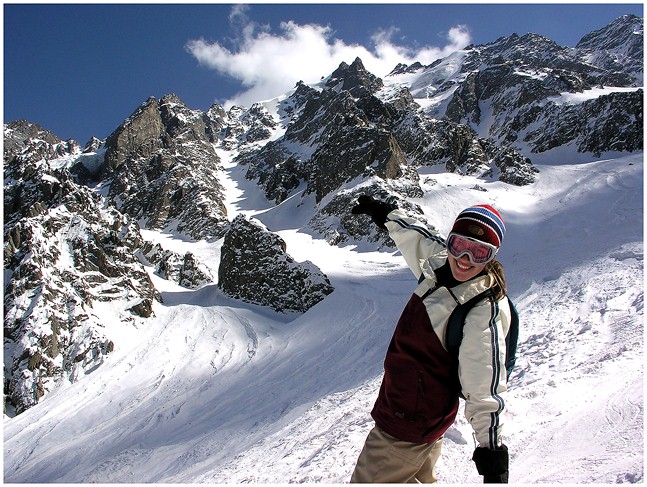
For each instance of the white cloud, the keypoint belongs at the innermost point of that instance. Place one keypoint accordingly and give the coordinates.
(239, 13)
(268, 64)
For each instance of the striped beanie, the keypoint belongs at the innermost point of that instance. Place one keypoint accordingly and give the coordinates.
(481, 222)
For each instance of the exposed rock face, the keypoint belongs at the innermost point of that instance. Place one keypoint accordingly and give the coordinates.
(618, 47)
(163, 169)
(184, 270)
(612, 122)
(429, 142)
(255, 267)
(238, 126)
(32, 140)
(335, 222)
(139, 137)
(64, 255)
(354, 79)
(513, 89)
(346, 132)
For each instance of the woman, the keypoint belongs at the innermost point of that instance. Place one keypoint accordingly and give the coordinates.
(418, 398)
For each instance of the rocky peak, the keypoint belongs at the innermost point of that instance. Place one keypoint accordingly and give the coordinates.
(402, 68)
(618, 47)
(625, 31)
(290, 109)
(337, 137)
(92, 145)
(258, 123)
(139, 136)
(515, 78)
(529, 51)
(31, 142)
(181, 124)
(162, 168)
(241, 126)
(354, 79)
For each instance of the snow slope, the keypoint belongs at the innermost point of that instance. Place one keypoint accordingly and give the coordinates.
(214, 390)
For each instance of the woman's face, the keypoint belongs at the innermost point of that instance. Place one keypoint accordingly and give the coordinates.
(462, 269)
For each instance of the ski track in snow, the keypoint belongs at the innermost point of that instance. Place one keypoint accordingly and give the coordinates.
(218, 391)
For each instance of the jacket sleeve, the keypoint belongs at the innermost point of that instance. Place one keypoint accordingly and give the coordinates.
(481, 369)
(416, 241)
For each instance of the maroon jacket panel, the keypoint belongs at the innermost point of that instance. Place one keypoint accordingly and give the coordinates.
(418, 399)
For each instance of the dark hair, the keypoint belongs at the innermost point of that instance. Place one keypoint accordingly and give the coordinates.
(495, 270)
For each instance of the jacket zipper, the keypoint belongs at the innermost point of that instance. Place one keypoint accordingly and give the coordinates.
(419, 393)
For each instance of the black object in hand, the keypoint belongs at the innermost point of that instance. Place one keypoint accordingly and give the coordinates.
(492, 464)
(377, 210)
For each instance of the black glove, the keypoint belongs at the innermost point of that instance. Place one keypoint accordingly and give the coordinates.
(492, 464)
(377, 210)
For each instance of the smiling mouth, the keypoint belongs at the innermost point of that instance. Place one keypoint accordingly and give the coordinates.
(463, 267)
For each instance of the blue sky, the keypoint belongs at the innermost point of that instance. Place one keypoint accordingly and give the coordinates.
(80, 70)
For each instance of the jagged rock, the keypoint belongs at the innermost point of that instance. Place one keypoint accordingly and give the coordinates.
(617, 47)
(400, 101)
(139, 137)
(429, 142)
(402, 68)
(184, 270)
(163, 168)
(255, 268)
(144, 308)
(30, 139)
(239, 126)
(215, 119)
(354, 79)
(92, 145)
(611, 122)
(64, 254)
(354, 129)
(364, 152)
(342, 139)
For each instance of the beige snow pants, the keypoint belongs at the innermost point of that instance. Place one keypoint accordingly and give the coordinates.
(387, 460)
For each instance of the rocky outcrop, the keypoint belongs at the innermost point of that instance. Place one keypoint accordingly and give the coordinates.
(184, 270)
(617, 47)
(239, 126)
(64, 256)
(255, 268)
(338, 225)
(351, 130)
(34, 142)
(612, 122)
(430, 142)
(163, 170)
(354, 79)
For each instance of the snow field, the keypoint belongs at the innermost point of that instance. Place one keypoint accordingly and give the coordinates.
(218, 391)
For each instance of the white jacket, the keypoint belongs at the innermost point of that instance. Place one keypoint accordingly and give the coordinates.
(481, 360)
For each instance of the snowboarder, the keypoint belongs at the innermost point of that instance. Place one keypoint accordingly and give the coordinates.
(419, 396)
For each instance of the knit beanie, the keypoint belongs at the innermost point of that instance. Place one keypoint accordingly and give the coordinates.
(481, 222)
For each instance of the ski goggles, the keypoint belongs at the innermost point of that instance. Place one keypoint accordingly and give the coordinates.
(478, 253)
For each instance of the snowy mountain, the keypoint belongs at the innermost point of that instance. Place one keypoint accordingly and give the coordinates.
(530, 92)
(191, 300)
